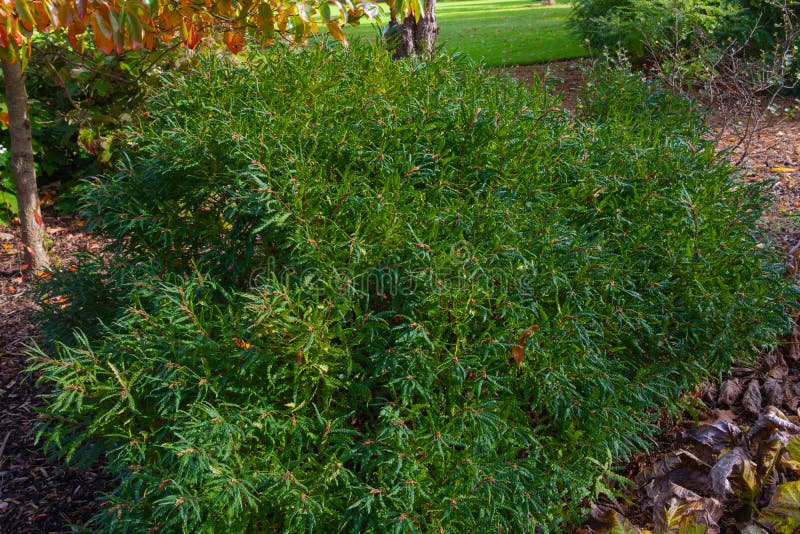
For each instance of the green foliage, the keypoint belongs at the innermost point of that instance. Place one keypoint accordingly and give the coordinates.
(79, 103)
(362, 295)
(8, 201)
(635, 25)
(82, 299)
(764, 20)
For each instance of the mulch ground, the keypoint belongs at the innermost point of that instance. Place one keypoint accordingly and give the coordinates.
(39, 495)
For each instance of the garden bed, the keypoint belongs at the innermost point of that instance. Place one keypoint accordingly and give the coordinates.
(40, 496)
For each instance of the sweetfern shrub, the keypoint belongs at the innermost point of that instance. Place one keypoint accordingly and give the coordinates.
(351, 294)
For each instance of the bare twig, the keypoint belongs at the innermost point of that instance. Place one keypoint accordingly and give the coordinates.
(3, 446)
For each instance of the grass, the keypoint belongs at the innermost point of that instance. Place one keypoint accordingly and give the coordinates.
(503, 32)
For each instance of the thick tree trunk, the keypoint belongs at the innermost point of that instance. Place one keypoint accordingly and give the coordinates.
(417, 38)
(19, 127)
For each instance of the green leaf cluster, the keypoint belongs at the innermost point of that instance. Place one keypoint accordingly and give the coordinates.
(80, 102)
(8, 201)
(351, 294)
(644, 29)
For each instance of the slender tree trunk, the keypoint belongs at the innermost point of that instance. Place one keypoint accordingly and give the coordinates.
(19, 126)
(418, 38)
(548, 2)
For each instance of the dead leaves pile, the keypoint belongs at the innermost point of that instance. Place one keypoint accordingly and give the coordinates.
(728, 477)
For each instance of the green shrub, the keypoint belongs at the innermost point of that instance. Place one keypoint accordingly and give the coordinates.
(365, 295)
(8, 201)
(638, 26)
(762, 21)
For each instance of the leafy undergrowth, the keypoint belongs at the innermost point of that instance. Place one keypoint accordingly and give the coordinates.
(725, 477)
(355, 294)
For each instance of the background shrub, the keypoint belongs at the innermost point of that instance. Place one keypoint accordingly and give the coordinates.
(644, 27)
(363, 295)
(734, 56)
(635, 25)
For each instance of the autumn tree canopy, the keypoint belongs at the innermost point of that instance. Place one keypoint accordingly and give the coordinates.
(122, 25)
(119, 25)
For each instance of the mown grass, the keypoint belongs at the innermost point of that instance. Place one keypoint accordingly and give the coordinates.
(503, 32)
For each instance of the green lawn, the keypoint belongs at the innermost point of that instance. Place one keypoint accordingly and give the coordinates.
(504, 32)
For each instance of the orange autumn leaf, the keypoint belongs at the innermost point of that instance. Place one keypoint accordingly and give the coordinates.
(189, 33)
(117, 26)
(7, 246)
(518, 350)
(335, 30)
(234, 42)
(518, 353)
(4, 118)
(241, 343)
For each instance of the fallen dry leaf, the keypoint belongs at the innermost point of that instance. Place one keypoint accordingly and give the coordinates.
(518, 350)
(242, 344)
(751, 400)
(773, 391)
(729, 392)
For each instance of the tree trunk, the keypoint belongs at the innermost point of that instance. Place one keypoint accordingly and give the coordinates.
(417, 38)
(19, 127)
(548, 2)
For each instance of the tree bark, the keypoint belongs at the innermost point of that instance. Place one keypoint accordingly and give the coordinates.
(22, 169)
(417, 38)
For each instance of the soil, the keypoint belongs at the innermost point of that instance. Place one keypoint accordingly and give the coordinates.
(39, 495)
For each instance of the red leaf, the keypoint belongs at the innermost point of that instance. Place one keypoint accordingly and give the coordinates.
(189, 33)
(73, 33)
(103, 34)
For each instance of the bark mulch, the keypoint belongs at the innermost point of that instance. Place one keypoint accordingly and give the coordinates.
(37, 494)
